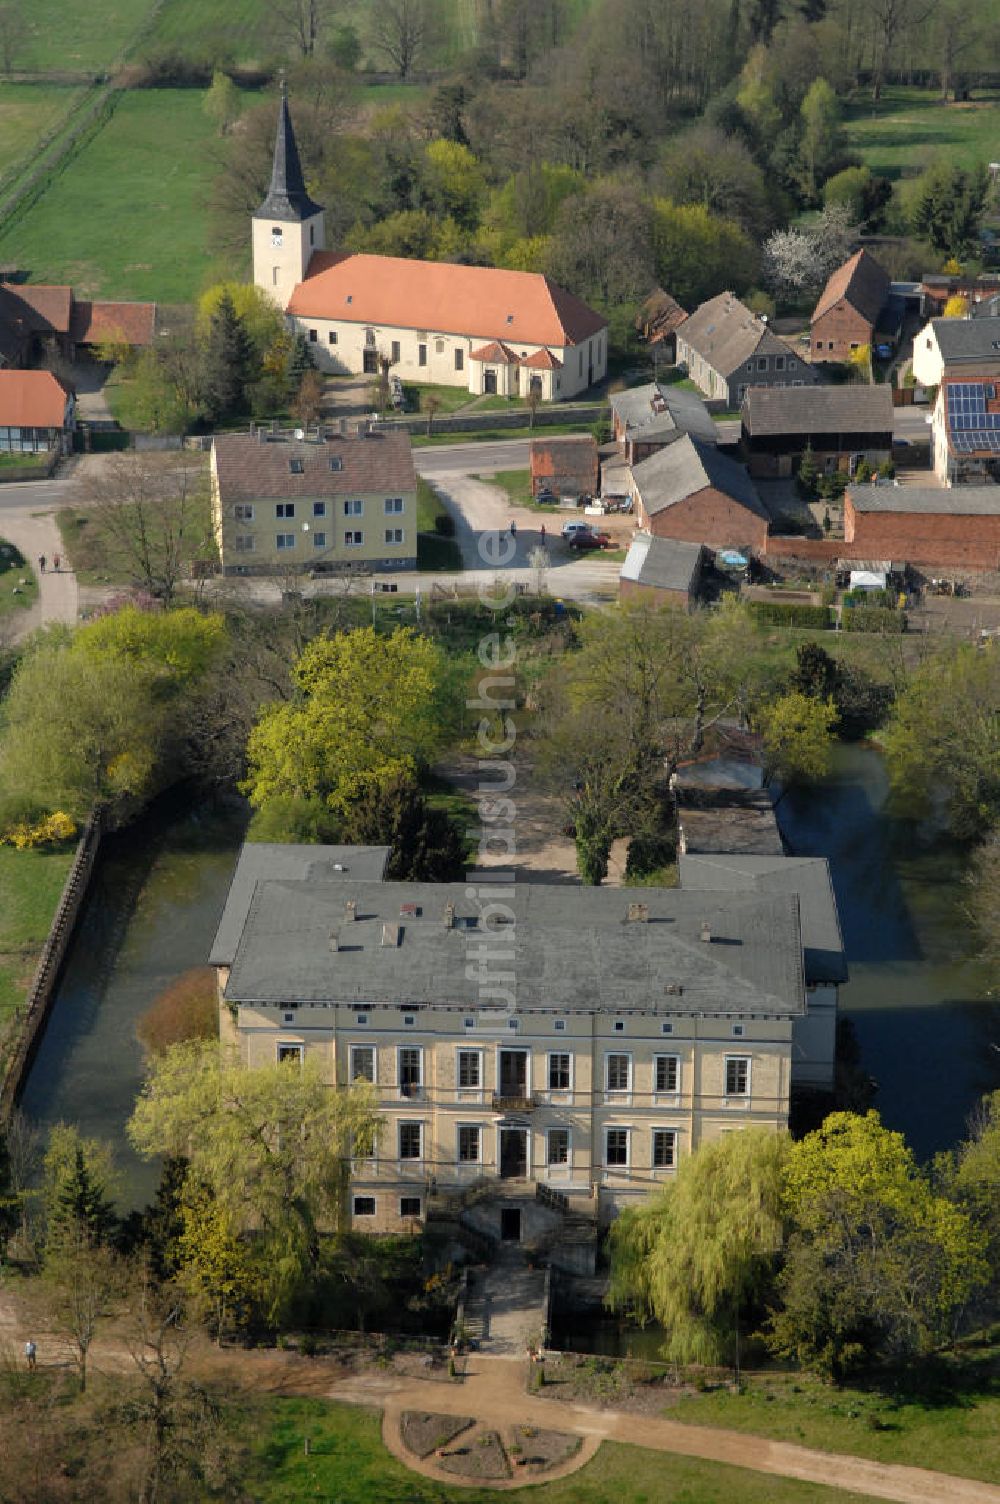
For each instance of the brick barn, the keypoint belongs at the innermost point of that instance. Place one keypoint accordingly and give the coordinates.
(566, 466)
(957, 527)
(694, 492)
(849, 308)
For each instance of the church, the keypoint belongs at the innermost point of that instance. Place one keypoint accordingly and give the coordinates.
(490, 331)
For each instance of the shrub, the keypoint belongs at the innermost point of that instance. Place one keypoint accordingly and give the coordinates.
(648, 853)
(187, 1009)
(873, 619)
(444, 525)
(49, 830)
(791, 614)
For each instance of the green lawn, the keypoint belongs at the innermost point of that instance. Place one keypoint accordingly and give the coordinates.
(18, 582)
(348, 1464)
(30, 885)
(910, 126)
(99, 558)
(238, 32)
(483, 435)
(27, 111)
(956, 1430)
(89, 38)
(129, 217)
(450, 398)
(435, 551)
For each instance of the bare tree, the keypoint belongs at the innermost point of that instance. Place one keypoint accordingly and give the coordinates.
(430, 403)
(82, 1286)
(155, 515)
(399, 30)
(11, 34)
(304, 20)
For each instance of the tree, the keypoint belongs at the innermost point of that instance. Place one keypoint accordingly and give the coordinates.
(368, 710)
(815, 672)
(798, 734)
(943, 738)
(82, 1286)
(452, 182)
(400, 30)
(78, 1186)
(310, 399)
(877, 1263)
(984, 899)
(216, 1267)
(430, 405)
(601, 246)
(426, 844)
(791, 264)
(808, 474)
(822, 136)
(156, 517)
(956, 307)
(946, 207)
(260, 317)
(698, 254)
(973, 1175)
(270, 1144)
(222, 102)
(230, 363)
(861, 196)
(188, 1008)
(706, 166)
(700, 1250)
(303, 21)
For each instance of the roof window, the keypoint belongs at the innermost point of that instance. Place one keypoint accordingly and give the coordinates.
(336, 463)
(296, 467)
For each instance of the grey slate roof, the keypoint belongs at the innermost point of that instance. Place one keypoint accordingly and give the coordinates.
(726, 334)
(951, 501)
(569, 949)
(974, 339)
(261, 861)
(287, 198)
(660, 414)
(260, 465)
(662, 563)
(807, 876)
(686, 467)
(769, 411)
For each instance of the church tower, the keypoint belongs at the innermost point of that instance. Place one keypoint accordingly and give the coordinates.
(288, 226)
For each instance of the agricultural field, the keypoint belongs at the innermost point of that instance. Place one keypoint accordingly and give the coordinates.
(83, 38)
(241, 32)
(128, 216)
(27, 112)
(899, 136)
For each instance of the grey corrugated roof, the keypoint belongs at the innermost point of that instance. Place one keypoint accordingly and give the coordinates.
(951, 501)
(807, 876)
(686, 467)
(967, 339)
(806, 410)
(662, 563)
(260, 861)
(569, 949)
(661, 413)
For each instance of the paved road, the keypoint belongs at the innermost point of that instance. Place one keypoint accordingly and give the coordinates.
(27, 519)
(472, 459)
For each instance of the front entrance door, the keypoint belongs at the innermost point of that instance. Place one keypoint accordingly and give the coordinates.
(370, 359)
(490, 382)
(513, 1073)
(510, 1224)
(513, 1153)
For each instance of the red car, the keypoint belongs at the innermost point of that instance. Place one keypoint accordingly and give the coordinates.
(589, 539)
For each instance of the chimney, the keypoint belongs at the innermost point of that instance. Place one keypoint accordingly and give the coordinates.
(391, 934)
(638, 913)
(706, 932)
(334, 940)
(351, 910)
(449, 916)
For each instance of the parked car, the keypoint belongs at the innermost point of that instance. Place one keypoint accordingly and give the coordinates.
(590, 539)
(570, 528)
(547, 497)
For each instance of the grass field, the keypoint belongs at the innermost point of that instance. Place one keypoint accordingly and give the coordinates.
(128, 216)
(30, 885)
(348, 1463)
(910, 126)
(18, 582)
(27, 111)
(87, 37)
(240, 32)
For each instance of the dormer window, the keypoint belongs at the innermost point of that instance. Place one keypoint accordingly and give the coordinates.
(350, 297)
(510, 318)
(296, 467)
(336, 463)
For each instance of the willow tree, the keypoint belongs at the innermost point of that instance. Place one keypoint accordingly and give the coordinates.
(698, 1253)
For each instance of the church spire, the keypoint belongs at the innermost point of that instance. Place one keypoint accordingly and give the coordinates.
(287, 198)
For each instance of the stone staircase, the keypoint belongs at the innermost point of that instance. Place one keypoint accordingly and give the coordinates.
(506, 1306)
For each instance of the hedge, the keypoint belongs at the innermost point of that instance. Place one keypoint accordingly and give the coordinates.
(873, 619)
(792, 614)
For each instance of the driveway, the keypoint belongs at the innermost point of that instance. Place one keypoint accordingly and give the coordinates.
(27, 519)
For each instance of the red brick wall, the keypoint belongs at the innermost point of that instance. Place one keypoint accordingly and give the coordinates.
(935, 538)
(816, 550)
(843, 324)
(710, 517)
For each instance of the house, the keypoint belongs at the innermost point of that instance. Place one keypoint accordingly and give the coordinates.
(665, 571)
(814, 1036)
(608, 1040)
(965, 430)
(332, 502)
(647, 418)
(694, 492)
(657, 321)
(726, 349)
(718, 820)
(955, 526)
(565, 466)
(38, 320)
(937, 287)
(36, 413)
(477, 327)
(850, 306)
(840, 424)
(956, 347)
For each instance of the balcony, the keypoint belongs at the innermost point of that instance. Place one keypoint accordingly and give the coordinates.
(512, 1102)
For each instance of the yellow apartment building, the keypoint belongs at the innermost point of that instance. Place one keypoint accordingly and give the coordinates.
(523, 1040)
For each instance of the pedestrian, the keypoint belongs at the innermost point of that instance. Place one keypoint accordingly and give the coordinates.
(513, 528)
(29, 1353)
(41, 562)
(542, 532)
(55, 562)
